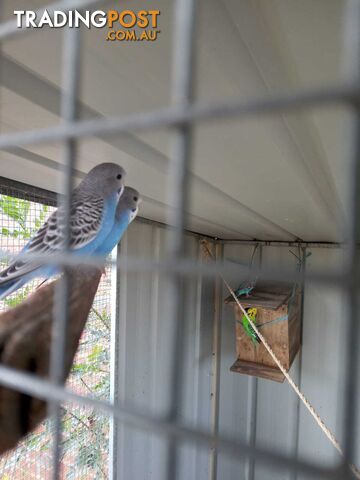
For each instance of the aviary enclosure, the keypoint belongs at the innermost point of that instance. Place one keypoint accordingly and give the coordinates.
(219, 339)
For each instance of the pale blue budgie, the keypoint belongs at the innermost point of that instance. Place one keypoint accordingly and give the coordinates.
(94, 204)
(126, 211)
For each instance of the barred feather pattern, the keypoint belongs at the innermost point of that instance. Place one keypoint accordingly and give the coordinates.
(85, 220)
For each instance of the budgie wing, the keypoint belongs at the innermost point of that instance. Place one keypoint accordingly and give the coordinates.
(85, 222)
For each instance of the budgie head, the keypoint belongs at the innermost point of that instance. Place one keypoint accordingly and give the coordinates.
(129, 202)
(105, 179)
(252, 314)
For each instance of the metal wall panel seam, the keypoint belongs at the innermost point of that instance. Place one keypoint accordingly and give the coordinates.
(216, 360)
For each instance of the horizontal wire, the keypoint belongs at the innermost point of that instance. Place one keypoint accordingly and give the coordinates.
(137, 418)
(281, 243)
(169, 117)
(190, 267)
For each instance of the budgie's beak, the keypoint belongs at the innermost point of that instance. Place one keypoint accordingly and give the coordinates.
(121, 190)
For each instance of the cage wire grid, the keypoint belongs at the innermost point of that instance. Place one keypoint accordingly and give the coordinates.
(85, 443)
(180, 117)
(22, 205)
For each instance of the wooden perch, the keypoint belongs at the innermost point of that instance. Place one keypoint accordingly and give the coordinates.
(25, 342)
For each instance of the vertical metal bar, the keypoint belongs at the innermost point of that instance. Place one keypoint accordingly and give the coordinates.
(293, 474)
(71, 49)
(251, 425)
(252, 409)
(123, 363)
(114, 364)
(197, 400)
(2, 9)
(156, 448)
(182, 93)
(353, 253)
(216, 363)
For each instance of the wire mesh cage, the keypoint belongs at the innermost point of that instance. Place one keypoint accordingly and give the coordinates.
(180, 117)
(85, 444)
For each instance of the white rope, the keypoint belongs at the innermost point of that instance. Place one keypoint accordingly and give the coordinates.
(294, 386)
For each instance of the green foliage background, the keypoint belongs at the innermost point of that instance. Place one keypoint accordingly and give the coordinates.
(85, 432)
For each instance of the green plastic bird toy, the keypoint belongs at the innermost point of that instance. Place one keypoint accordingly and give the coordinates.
(245, 288)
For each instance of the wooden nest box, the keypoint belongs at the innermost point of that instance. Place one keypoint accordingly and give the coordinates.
(278, 318)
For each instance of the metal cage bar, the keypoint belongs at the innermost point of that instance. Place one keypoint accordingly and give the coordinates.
(181, 116)
(181, 95)
(353, 258)
(139, 419)
(71, 51)
(334, 277)
(213, 458)
(114, 366)
(170, 117)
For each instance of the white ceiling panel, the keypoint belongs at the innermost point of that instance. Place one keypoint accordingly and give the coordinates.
(275, 178)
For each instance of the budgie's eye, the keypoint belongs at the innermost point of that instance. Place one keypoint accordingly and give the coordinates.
(136, 199)
(119, 177)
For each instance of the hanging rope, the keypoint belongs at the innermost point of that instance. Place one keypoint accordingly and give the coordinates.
(291, 382)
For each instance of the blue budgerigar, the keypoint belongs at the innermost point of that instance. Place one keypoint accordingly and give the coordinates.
(126, 211)
(93, 208)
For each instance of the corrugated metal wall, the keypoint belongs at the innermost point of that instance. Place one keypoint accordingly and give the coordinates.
(263, 412)
(145, 357)
(268, 413)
